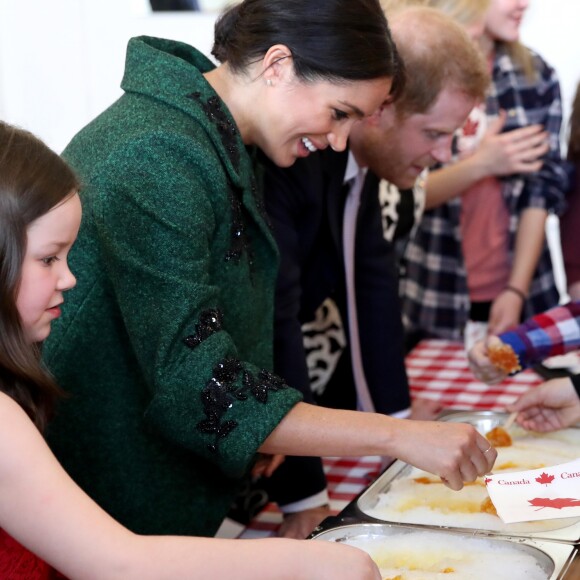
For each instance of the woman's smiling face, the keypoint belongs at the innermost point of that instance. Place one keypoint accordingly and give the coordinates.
(504, 18)
(303, 117)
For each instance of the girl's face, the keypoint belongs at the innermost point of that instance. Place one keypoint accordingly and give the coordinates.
(45, 272)
(303, 117)
(504, 18)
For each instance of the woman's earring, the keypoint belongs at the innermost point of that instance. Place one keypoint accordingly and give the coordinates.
(269, 82)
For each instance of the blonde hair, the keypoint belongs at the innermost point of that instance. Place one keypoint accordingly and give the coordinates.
(464, 12)
(523, 56)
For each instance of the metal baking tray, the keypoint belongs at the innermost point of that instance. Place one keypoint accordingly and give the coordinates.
(552, 558)
(362, 508)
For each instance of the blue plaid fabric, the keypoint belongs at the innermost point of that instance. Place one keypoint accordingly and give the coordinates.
(551, 333)
(434, 289)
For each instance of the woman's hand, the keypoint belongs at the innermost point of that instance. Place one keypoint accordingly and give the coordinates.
(425, 409)
(505, 313)
(517, 151)
(266, 465)
(455, 452)
(299, 525)
(548, 407)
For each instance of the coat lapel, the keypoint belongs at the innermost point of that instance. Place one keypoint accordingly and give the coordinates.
(334, 170)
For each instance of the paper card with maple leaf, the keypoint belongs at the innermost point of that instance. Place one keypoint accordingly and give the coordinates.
(537, 494)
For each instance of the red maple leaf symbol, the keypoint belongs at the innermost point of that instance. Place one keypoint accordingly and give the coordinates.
(470, 127)
(558, 503)
(545, 478)
(487, 480)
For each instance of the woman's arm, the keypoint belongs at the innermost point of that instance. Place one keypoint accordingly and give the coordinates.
(455, 452)
(507, 307)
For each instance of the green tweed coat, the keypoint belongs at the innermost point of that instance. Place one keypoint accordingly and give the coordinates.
(162, 345)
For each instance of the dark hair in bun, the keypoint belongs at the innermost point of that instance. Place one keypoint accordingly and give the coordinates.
(333, 40)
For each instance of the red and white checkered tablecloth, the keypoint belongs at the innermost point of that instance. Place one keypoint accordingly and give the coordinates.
(437, 370)
(346, 477)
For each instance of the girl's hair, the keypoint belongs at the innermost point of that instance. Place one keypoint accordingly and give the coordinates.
(333, 40)
(33, 180)
(464, 12)
(522, 55)
(574, 138)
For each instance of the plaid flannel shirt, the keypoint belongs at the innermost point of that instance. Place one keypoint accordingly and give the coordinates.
(554, 332)
(434, 286)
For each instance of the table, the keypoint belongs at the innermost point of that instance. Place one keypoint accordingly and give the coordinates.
(437, 370)
(346, 477)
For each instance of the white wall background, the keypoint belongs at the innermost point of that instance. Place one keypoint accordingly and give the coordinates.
(61, 61)
(551, 28)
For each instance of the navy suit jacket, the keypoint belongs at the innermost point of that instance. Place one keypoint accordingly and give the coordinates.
(306, 205)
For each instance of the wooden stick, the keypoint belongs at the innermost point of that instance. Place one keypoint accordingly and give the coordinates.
(510, 420)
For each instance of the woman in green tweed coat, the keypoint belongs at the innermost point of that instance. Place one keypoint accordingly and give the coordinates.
(166, 343)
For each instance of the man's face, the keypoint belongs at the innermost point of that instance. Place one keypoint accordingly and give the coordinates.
(399, 148)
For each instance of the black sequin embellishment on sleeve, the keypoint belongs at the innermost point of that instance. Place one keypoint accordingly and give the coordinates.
(210, 321)
(261, 385)
(220, 393)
